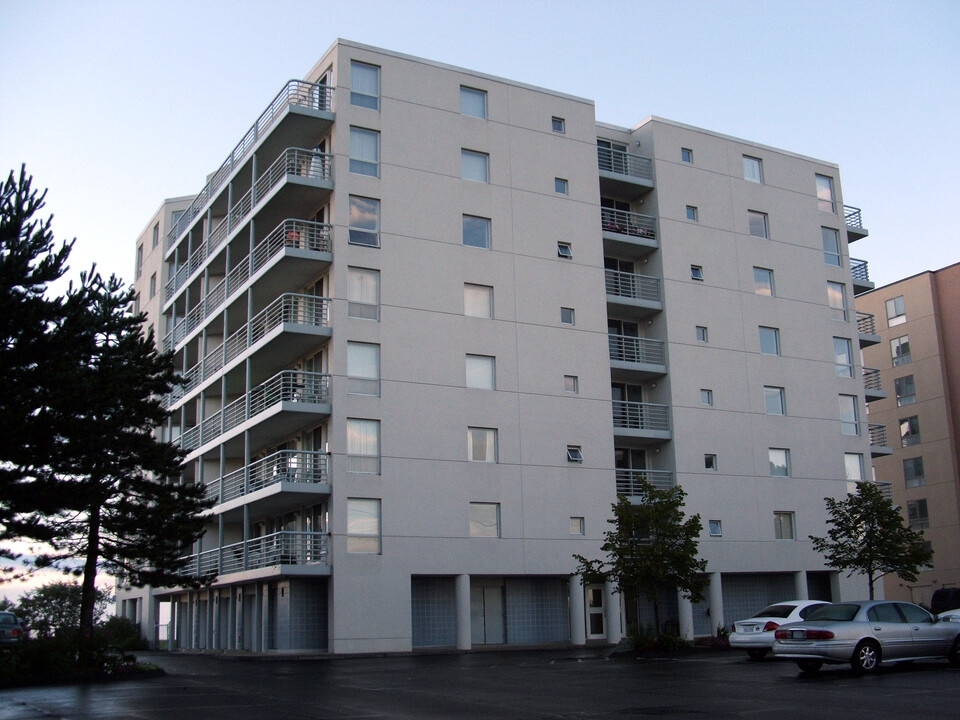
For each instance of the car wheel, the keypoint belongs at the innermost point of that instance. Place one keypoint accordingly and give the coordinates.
(866, 657)
(809, 666)
(954, 656)
(757, 653)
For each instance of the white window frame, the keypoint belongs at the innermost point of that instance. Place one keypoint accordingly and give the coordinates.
(577, 525)
(693, 214)
(568, 316)
(837, 291)
(364, 523)
(558, 125)
(753, 169)
(843, 350)
(849, 415)
(830, 238)
(574, 453)
(364, 151)
(774, 458)
(564, 250)
(561, 186)
(363, 93)
(361, 456)
(686, 155)
(361, 381)
(359, 303)
(715, 528)
(853, 467)
(703, 334)
(696, 273)
(706, 396)
(363, 234)
(825, 196)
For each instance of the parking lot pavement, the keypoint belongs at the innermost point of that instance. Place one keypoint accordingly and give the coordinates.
(542, 685)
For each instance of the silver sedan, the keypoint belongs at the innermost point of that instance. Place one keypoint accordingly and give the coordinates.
(865, 634)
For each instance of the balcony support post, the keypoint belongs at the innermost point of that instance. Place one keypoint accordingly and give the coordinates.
(229, 207)
(578, 626)
(685, 611)
(464, 638)
(715, 598)
(253, 179)
(800, 590)
(611, 611)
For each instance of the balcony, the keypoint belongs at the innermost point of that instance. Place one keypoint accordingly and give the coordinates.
(624, 175)
(285, 399)
(633, 295)
(628, 481)
(878, 440)
(861, 276)
(854, 222)
(628, 233)
(636, 358)
(871, 385)
(290, 471)
(867, 329)
(298, 103)
(640, 423)
(886, 489)
(282, 553)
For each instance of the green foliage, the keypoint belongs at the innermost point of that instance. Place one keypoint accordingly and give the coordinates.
(643, 638)
(651, 545)
(67, 657)
(54, 609)
(122, 633)
(867, 535)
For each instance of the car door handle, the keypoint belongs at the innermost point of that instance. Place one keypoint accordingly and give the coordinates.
(877, 629)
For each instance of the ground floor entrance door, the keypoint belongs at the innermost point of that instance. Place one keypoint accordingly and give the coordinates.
(486, 612)
(594, 609)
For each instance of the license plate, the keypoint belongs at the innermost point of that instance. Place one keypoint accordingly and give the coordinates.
(798, 634)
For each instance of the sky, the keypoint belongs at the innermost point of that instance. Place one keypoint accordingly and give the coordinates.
(115, 105)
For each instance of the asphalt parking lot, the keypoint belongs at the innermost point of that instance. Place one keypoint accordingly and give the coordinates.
(538, 685)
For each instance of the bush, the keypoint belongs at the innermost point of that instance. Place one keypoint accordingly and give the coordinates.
(65, 657)
(123, 634)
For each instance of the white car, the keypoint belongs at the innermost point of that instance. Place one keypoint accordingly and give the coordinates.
(755, 635)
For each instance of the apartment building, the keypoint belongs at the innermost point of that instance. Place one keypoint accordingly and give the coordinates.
(433, 322)
(918, 362)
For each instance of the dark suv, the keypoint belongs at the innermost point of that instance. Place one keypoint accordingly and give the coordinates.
(945, 599)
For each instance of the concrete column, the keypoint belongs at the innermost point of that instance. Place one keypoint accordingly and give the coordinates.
(261, 612)
(685, 608)
(716, 602)
(238, 632)
(215, 620)
(464, 641)
(578, 622)
(150, 617)
(611, 613)
(835, 594)
(195, 621)
(800, 589)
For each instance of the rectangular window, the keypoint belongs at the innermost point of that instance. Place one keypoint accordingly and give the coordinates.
(473, 102)
(484, 519)
(482, 444)
(363, 446)
(696, 272)
(917, 515)
(769, 340)
(825, 193)
(716, 528)
(783, 526)
(481, 372)
(153, 285)
(831, 246)
(576, 526)
(477, 300)
(913, 472)
(710, 461)
(364, 152)
(474, 165)
(558, 124)
(363, 525)
(574, 453)
(567, 316)
(706, 396)
(693, 214)
(853, 467)
(843, 357)
(364, 221)
(363, 368)
(564, 250)
(752, 169)
(763, 281)
(900, 350)
(896, 311)
(363, 293)
(779, 462)
(364, 85)
(686, 155)
(849, 415)
(757, 222)
(560, 185)
(906, 390)
(156, 234)
(476, 231)
(702, 334)
(910, 431)
(774, 400)
(837, 297)
(571, 384)
(139, 262)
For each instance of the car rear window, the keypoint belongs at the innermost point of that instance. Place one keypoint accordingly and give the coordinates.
(805, 612)
(778, 611)
(842, 611)
(8, 619)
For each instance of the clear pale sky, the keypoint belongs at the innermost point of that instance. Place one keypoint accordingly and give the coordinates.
(115, 106)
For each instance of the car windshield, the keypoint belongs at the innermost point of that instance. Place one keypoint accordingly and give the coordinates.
(778, 611)
(843, 611)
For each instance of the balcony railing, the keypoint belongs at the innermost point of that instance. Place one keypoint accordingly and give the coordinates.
(626, 348)
(628, 481)
(878, 434)
(640, 416)
(290, 466)
(628, 223)
(886, 489)
(859, 270)
(871, 379)
(852, 217)
(280, 548)
(294, 93)
(285, 386)
(622, 163)
(633, 286)
(866, 324)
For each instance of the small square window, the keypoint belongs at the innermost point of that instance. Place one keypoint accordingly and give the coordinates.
(752, 169)
(481, 372)
(769, 340)
(706, 396)
(484, 519)
(564, 250)
(710, 461)
(477, 300)
(567, 316)
(576, 526)
(561, 186)
(476, 231)
(574, 454)
(696, 272)
(763, 281)
(716, 528)
(701, 334)
(482, 444)
(558, 124)
(473, 102)
(474, 165)
(693, 214)
(779, 462)
(774, 400)
(686, 155)
(571, 384)
(757, 223)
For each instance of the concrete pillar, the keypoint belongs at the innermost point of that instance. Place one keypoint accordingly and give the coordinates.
(261, 613)
(464, 641)
(215, 620)
(195, 613)
(835, 594)
(611, 613)
(238, 631)
(716, 602)
(801, 592)
(578, 623)
(150, 618)
(685, 608)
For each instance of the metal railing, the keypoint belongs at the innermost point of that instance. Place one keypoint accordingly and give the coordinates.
(878, 434)
(633, 286)
(623, 163)
(285, 386)
(291, 466)
(866, 324)
(628, 223)
(859, 270)
(871, 379)
(640, 416)
(628, 481)
(286, 547)
(294, 93)
(852, 217)
(626, 348)
(886, 489)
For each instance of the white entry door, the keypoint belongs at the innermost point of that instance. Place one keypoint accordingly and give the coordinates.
(595, 612)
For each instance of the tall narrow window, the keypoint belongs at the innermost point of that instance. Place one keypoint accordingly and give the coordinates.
(849, 415)
(783, 525)
(853, 466)
(473, 102)
(896, 311)
(156, 234)
(913, 472)
(779, 462)
(769, 340)
(364, 152)
(363, 368)
(831, 246)
(686, 155)
(481, 372)
(363, 293)
(825, 193)
(364, 221)
(139, 262)
(484, 519)
(757, 222)
(843, 357)
(900, 350)
(363, 525)
(576, 525)
(752, 169)
(363, 446)
(837, 297)
(364, 85)
(153, 285)
(918, 517)
(906, 390)
(476, 231)
(474, 165)
(482, 444)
